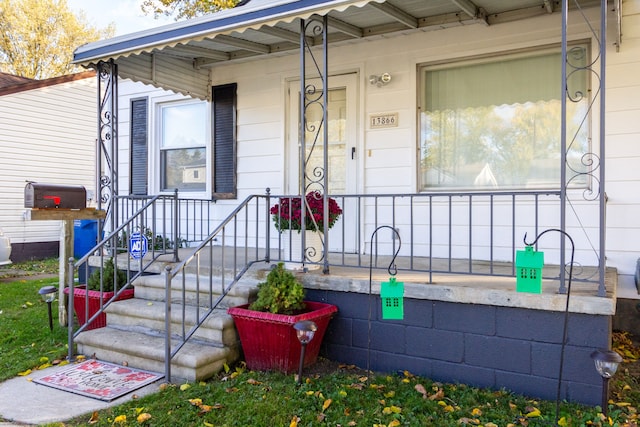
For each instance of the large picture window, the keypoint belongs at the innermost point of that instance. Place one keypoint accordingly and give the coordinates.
(496, 123)
(183, 145)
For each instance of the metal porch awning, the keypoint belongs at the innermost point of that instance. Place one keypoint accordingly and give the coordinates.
(179, 56)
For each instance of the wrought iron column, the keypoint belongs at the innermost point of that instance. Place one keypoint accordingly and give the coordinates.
(592, 162)
(107, 142)
(314, 91)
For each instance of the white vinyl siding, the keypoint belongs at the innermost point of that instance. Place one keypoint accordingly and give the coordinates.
(47, 135)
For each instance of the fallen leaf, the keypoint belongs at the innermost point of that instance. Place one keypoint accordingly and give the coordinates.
(437, 395)
(326, 404)
(294, 421)
(394, 423)
(24, 373)
(253, 382)
(321, 416)
(195, 402)
(184, 387)
(205, 409)
(420, 389)
(94, 417)
(534, 412)
(120, 419)
(143, 417)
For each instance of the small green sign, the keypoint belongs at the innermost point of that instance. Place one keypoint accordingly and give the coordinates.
(392, 295)
(529, 265)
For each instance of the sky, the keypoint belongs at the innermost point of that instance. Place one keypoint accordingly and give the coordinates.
(125, 14)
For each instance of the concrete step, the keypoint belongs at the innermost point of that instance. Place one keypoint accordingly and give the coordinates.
(135, 327)
(141, 315)
(194, 362)
(152, 287)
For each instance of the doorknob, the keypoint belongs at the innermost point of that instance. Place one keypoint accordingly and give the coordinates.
(353, 153)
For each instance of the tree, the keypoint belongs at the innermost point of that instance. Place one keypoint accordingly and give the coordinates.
(38, 37)
(185, 9)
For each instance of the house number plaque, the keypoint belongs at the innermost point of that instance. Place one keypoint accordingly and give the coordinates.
(387, 120)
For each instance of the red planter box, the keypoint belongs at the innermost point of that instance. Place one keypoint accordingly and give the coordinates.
(269, 341)
(80, 295)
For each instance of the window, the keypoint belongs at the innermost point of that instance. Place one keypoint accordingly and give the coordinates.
(495, 123)
(183, 145)
(196, 141)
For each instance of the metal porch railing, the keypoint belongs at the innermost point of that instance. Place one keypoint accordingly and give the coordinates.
(473, 233)
(161, 238)
(243, 238)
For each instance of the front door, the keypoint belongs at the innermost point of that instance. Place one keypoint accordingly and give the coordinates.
(342, 150)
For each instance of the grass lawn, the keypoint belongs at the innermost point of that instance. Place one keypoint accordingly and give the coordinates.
(25, 339)
(330, 395)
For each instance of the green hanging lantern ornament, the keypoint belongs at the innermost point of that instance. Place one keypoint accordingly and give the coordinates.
(392, 295)
(391, 292)
(529, 270)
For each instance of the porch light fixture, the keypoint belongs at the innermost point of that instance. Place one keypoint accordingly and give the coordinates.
(305, 330)
(48, 294)
(607, 362)
(380, 80)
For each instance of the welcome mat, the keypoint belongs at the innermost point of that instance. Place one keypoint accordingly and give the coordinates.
(99, 380)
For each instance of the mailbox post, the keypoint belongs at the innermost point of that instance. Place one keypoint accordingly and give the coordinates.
(60, 203)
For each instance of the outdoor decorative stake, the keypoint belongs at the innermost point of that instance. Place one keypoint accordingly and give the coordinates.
(529, 270)
(392, 295)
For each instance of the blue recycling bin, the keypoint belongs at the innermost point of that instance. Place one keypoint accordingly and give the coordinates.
(85, 237)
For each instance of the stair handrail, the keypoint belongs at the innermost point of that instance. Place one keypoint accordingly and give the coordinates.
(100, 247)
(171, 272)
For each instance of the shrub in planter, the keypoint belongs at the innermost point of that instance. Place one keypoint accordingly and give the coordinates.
(265, 327)
(87, 299)
(282, 293)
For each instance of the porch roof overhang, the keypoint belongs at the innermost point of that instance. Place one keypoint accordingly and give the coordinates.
(179, 56)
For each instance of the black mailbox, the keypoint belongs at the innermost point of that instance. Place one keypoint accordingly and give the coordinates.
(42, 196)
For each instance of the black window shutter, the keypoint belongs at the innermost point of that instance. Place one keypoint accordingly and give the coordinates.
(224, 141)
(139, 147)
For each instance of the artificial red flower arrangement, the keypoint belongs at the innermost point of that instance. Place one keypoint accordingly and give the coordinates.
(287, 214)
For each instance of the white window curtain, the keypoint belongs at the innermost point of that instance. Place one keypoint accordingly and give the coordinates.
(496, 123)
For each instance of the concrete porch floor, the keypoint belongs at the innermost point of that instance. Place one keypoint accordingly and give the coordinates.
(479, 288)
